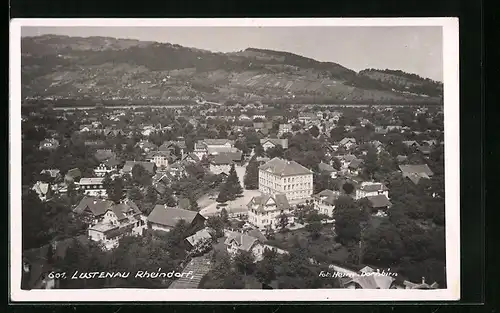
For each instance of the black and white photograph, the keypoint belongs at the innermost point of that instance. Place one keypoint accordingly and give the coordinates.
(243, 159)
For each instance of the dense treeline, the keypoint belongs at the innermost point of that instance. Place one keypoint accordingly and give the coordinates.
(403, 74)
(403, 82)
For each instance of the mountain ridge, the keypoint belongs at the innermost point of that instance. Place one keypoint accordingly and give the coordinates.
(59, 67)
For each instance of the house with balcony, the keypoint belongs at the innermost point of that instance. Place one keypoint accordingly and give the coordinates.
(54, 174)
(347, 143)
(324, 201)
(354, 167)
(92, 186)
(72, 175)
(43, 190)
(49, 144)
(236, 242)
(159, 158)
(106, 167)
(380, 204)
(268, 143)
(213, 146)
(263, 210)
(150, 167)
(327, 168)
(119, 220)
(307, 117)
(220, 164)
(172, 146)
(91, 209)
(367, 189)
(284, 128)
(146, 146)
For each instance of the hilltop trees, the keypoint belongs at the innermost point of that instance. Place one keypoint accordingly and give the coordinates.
(251, 179)
(116, 190)
(282, 221)
(231, 189)
(167, 198)
(348, 188)
(314, 131)
(140, 176)
(323, 181)
(275, 152)
(151, 195)
(244, 262)
(348, 219)
(383, 245)
(193, 203)
(234, 182)
(371, 163)
(134, 193)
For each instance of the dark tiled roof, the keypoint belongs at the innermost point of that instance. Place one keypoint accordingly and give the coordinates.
(328, 196)
(221, 159)
(104, 154)
(355, 163)
(425, 149)
(95, 205)
(346, 140)
(152, 154)
(232, 156)
(275, 141)
(379, 201)
(326, 167)
(112, 162)
(282, 167)
(218, 142)
(198, 236)
(260, 201)
(170, 216)
(373, 187)
(257, 234)
(74, 173)
(129, 165)
(37, 259)
(421, 168)
(192, 156)
(244, 242)
(122, 209)
(401, 158)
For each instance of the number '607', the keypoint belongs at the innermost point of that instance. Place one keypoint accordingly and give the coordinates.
(56, 275)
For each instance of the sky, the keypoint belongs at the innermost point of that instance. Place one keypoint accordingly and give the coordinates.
(413, 49)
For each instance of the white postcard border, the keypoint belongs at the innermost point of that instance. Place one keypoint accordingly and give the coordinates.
(452, 176)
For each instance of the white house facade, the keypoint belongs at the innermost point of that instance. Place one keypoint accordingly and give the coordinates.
(264, 210)
(92, 186)
(368, 189)
(119, 220)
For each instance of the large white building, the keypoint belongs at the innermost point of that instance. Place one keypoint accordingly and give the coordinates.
(280, 176)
